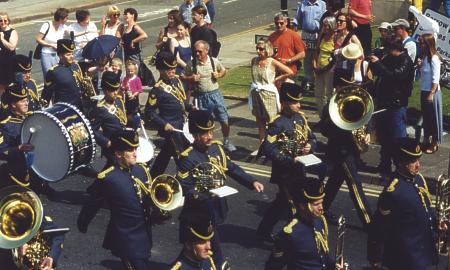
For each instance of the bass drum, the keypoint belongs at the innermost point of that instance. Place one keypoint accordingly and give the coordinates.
(63, 141)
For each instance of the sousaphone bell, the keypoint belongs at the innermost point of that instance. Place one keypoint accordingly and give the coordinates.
(351, 107)
(20, 216)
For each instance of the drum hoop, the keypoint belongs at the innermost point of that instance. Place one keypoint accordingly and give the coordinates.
(66, 135)
(89, 128)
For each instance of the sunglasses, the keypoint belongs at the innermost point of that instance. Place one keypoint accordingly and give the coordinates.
(279, 23)
(116, 14)
(259, 49)
(198, 51)
(340, 21)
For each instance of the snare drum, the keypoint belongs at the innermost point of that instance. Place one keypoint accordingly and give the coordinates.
(63, 141)
(145, 151)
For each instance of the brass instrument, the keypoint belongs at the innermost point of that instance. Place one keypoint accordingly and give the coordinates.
(340, 243)
(85, 82)
(166, 192)
(359, 137)
(351, 109)
(38, 249)
(293, 144)
(208, 176)
(20, 221)
(442, 206)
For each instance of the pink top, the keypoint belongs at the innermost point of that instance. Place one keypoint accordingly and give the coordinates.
(134, 83)
(363, 7)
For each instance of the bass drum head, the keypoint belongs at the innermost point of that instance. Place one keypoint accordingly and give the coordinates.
(49, 164)
(145, 151)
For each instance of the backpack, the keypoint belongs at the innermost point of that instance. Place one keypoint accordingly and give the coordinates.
(215, 44)
(418, 49)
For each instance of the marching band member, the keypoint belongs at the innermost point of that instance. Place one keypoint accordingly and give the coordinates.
(123, 186)
(109, 115)
(342, 155)
(303, 243)
(166, 108)
(196, 239)
(204, 149)
(62, 80)
(404, 229)
(285, 168)
(15, 171)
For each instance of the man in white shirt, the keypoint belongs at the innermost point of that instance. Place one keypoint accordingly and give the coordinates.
(401, 27)
(84, 31)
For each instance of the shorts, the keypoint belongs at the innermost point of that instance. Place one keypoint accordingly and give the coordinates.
(214, 103)
(264, 104)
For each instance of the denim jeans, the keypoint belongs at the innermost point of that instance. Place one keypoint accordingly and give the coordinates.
(48, 60)
(391, 126)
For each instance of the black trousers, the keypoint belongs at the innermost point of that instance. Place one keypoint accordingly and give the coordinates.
(345, 170)
(429, 117)
(279, 208)
(135, 264)
(364, 34)
(173, 145)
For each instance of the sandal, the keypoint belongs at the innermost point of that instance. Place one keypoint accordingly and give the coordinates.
(431, 149)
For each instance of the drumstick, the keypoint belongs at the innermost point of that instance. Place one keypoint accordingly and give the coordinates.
(32, 131)
(143, 128)
(177, 130)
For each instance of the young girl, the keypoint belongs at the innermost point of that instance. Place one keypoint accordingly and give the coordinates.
(116, 66)
(131, 86)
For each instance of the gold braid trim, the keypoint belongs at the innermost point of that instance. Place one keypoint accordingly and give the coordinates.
(322, 237)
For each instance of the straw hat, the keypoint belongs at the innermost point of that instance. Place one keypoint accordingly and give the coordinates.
(352, 51)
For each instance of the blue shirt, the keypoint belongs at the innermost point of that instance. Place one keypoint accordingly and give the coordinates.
(309, 14)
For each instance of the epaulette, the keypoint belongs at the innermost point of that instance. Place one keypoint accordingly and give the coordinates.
(391, 187)
(48, 219)
(217, 142)
(102, 174)
(271, 139)
(185, 153)
(288, 228)
(176, 266)
(101, 104)
(274, 118)
(6, 120)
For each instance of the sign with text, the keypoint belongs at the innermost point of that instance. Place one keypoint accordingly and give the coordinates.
(443, 37)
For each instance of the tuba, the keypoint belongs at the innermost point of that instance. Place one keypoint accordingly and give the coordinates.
(20, 221)
(442, 205)
(351, 109)
(208, 176)
(166, 192)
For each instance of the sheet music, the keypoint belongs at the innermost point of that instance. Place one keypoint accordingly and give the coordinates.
(309, 160)
(224, 191)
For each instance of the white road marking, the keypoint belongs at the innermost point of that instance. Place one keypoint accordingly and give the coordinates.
(229, 1)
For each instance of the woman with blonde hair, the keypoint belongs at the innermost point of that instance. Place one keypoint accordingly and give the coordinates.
(431, 96)
(8, 44)
(111, 21)
(267, 75)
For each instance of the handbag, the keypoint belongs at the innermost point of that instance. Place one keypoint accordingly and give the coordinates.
(145, 74)
(38, 50)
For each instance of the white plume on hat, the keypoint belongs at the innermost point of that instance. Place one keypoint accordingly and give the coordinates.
(427, 25)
